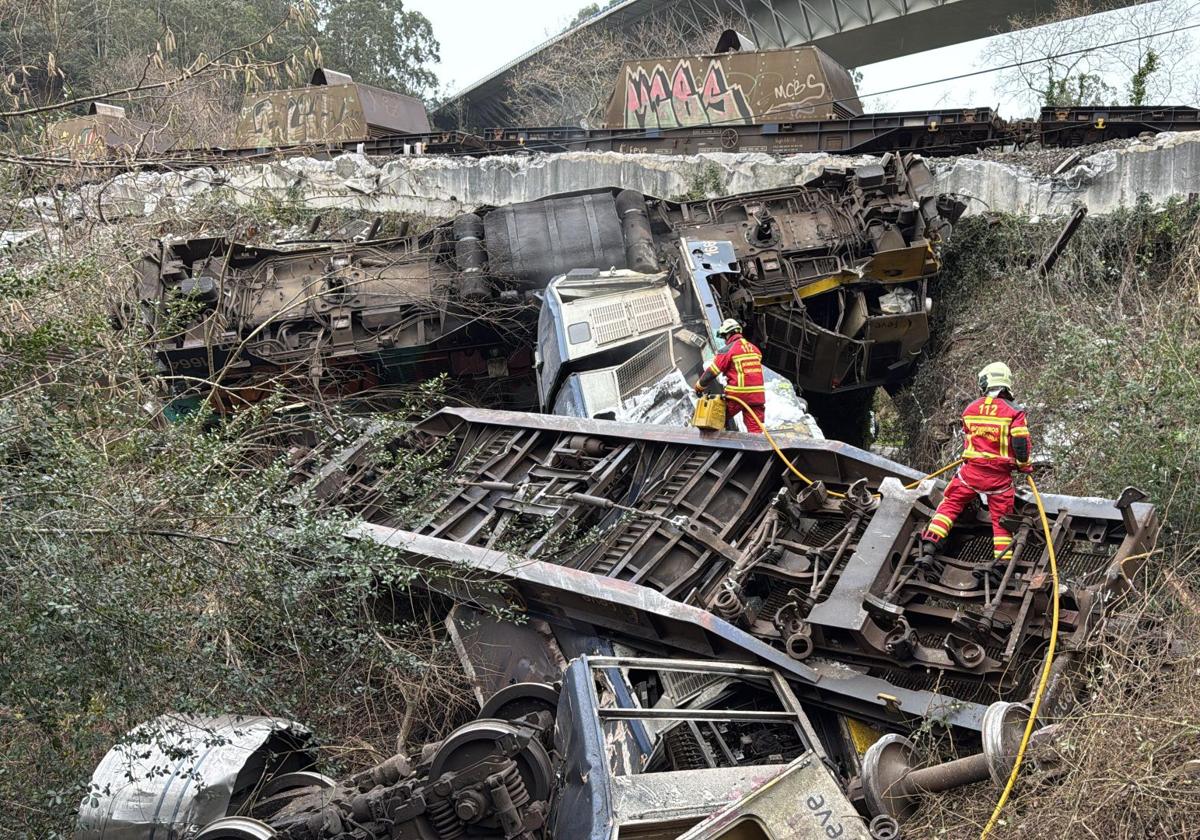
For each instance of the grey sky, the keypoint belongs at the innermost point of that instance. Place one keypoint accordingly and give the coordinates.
(479, 36)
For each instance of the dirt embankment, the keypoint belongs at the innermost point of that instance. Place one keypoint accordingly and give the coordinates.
(1106, 356)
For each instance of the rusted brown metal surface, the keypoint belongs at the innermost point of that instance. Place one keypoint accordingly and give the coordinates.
(934, 132)
(719, 522)
(332, 109)
(656, 710)
(728, 89)
(106, 131)
(1066, 127)
(1062, 240)
(707, 546)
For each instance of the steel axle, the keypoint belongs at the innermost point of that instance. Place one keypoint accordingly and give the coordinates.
(892, 786)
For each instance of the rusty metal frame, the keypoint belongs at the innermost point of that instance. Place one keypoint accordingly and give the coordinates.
(646, 617)
(565, 479)
(793, 710)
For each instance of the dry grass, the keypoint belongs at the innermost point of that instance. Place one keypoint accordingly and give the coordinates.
(1123, 763)
(1106, 354)
(139, 571)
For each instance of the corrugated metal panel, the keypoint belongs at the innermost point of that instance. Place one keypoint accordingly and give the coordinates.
(179, 772)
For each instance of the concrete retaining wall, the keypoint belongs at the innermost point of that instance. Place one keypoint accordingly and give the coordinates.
(1168, 165)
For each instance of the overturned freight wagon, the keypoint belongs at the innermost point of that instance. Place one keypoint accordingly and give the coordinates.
(831, 279)
(707, 644)
(822, 571)
(675, 542)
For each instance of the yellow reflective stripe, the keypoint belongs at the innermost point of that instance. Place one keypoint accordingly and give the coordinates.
(970, 452)
(999, 423)
(1019, 431)
(1000, 542)
(744, 389)
(713, 369)
(941, 517)
(934, 528)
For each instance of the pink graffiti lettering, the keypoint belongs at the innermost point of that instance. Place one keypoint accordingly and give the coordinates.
(655, 99)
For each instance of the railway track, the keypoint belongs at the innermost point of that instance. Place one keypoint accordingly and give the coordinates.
(931, 133)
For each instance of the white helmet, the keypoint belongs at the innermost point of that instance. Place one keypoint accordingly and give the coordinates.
(729, 325)
(995, 375)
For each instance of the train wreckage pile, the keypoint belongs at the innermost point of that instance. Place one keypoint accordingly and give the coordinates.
(614, 290)
(670, 633)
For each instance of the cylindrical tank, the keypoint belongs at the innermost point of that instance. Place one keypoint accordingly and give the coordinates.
(635, 227)
(469, 256)
(529, 244)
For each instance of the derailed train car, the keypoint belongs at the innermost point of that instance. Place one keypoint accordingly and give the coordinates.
(675, 542)
(708, 642)
(831, 278)
(819, 571)
(604, 752)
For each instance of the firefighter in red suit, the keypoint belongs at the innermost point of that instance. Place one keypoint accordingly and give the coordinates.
(997, 442)
(740, 362)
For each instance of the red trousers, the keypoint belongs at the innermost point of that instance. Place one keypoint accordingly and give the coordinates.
(754, 419)
(968, 484)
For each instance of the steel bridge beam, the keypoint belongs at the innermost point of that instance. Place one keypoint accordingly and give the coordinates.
(855, 32)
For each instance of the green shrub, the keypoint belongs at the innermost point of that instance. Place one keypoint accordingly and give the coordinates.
(142, 564)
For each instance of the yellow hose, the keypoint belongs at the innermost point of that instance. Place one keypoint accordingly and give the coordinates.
(808, 480)
(1041, 689)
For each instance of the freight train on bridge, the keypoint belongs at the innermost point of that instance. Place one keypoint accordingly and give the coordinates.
(776, 102)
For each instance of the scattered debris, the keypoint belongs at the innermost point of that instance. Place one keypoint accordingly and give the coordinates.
(1069, 161)
(1064, 238)
(619, 744)
(803, 643)
(714, 629)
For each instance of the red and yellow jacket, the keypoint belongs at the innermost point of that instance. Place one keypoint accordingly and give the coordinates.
(741, 363)
(997, 438)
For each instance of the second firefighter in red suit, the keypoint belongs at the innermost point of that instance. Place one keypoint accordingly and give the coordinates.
(740, 362)
(997, 442)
